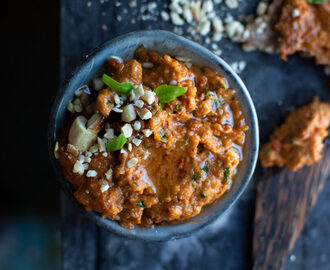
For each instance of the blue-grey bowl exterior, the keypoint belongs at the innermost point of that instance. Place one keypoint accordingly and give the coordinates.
(172, 44)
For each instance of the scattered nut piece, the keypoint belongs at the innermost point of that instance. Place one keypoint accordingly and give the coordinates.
(217, 24)
(147, 132)
(176, 19)
(295, 13)
(128, 114)
(101, 145)
(145, 114)
(79, 136)
(104, 187)
(262, 8)
(70, 107)
(91, 173)
(165, 16)
(149, 97)
(139, 91)
(117, 110)
(129, 147)
(127, 130)
(205, 28)
(136, 141)
(109, 174)
(139, 103)
(234, 30)
(78, 168)
(137, 125)
(232, 4)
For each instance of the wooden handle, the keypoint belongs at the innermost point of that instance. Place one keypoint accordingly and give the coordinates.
(283, 203)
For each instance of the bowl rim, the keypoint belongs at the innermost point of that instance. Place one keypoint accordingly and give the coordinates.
(109, 224)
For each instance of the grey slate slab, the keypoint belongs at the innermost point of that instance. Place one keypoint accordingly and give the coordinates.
(276, 88)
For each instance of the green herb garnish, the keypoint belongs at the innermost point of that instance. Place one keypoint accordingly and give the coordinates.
(267, 149)
(203, 195)
(116, 144)
(163, 136)
(140, 203)
(178, 108)
(227, 173)
(135, 184)
(206, 168)
(196, 177)
(219, 102)
(186, 143)
(109, 102)
(315, 1)
(121, 88)
(167, 93)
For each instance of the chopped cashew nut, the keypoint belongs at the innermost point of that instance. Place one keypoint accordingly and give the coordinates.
(147, 132)
(91, 173)
(128, 114)
(149, 97)
(145, 114)
(79, 136)
(127, 130)
(78, 168)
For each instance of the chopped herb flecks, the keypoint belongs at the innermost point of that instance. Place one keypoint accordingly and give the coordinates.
(227, 173)
(203, 195)
(196, 177)
(206, 168)
(217, 103)
(178, 108)
(267, 149)
(163, 136)
(140, 203)
(109, 102)
(135, 184)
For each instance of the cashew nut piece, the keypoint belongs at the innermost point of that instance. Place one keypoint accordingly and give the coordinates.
(83, 137)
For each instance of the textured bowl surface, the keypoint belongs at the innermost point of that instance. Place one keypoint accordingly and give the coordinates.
(162, 42)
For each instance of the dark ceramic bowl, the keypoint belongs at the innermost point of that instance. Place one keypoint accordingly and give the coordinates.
(162, 42)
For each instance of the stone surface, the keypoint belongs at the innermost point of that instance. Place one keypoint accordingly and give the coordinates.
(276, 88)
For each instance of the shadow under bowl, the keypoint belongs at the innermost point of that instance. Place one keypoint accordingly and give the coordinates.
(172, 44)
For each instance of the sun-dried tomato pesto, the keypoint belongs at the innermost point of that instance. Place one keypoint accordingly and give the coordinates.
(177, 156)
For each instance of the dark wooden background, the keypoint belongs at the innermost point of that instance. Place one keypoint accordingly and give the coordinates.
(276, 88)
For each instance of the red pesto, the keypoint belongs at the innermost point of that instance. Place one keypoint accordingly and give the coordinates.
(189, 160)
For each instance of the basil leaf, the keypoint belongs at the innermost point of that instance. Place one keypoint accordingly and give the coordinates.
(121, 88)
(167, 93)
(315, 1)
(116, 144)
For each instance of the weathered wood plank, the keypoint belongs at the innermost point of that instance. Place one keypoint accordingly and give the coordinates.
(283, 203)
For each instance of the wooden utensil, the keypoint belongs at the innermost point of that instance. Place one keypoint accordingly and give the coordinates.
(283, 203)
